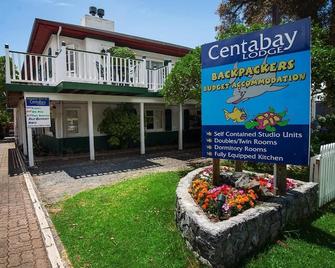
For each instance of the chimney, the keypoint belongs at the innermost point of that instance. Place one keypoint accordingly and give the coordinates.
(99, 22)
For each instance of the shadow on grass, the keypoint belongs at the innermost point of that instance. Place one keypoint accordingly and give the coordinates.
(306, 232)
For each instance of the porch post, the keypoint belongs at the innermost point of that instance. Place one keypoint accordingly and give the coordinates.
(15, 123)
(91, 129)
(142, 138)
(23, 128)
(180, 131)
(30, 147)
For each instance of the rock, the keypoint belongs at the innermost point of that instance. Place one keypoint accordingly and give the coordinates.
(225, 243)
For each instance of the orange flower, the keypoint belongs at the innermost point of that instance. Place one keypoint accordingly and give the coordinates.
(239, 207)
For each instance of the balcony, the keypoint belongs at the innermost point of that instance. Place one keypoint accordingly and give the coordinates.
(72, 65)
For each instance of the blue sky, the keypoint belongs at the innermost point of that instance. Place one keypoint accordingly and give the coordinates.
(185, 22)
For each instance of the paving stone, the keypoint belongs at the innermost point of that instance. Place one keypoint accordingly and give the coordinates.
(21, 243)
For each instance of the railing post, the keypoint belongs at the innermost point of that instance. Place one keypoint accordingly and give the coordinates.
(8, 77)
(145, 72)
(109, 77)
(169, 67)
(61, 64)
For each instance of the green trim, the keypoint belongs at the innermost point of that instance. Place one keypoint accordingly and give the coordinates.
(29, 88)
(81, 144)
(83, 88)
(74, 86)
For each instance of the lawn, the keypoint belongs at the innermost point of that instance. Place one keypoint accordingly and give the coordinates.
(309, 245)
(131, 224)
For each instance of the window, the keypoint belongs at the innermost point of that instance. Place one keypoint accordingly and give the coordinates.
(154, 119)
(72, 121)
(70, 59)
(152, 64)
(195, 119)
(49, 62)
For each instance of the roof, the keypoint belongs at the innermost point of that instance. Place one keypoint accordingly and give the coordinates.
(43, 29)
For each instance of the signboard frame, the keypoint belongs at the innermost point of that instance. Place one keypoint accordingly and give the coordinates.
(221, 59)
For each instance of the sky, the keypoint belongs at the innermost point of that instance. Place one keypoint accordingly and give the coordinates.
(185, 22)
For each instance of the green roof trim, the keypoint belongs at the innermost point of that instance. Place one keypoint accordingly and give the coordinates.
(29, 88)
(83, 88)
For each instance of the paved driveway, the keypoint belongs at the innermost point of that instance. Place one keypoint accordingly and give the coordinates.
(58, 179)
(21, 242)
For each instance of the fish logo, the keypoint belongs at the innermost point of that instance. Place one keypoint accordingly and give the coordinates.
(243, 94)
(237, 115)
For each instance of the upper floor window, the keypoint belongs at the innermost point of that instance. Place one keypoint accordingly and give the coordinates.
(152, 64)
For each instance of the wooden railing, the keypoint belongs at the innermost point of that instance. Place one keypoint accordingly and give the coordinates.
(30, 68)
(82, 66)
(157, 77)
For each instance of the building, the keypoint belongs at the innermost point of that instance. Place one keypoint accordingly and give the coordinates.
(70, 65)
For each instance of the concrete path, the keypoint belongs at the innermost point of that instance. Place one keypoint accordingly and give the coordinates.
(58, 179)
(21, 243)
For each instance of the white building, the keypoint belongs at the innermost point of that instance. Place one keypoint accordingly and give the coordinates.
(69, 65)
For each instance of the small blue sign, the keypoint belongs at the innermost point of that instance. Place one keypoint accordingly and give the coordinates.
(256, 96)
(37, 101)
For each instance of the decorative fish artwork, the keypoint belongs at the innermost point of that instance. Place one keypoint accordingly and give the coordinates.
(237, 115)
(244, 94)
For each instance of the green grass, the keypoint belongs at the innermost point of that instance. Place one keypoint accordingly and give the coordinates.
(310, 245)
(130, 224)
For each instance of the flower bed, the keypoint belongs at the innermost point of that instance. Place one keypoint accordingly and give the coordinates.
(224, 243)
(236, 193)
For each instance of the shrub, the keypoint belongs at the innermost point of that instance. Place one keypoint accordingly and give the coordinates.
(122, 125)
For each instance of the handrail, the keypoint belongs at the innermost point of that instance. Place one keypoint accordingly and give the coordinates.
(75, 65)
(32, 54)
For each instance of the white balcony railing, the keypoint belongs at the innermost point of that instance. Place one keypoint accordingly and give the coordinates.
(82, 66)
(156, 77)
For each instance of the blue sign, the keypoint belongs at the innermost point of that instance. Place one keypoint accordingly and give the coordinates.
(38, 112)
(256, 96)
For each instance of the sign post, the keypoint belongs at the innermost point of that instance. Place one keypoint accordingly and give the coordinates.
(37, 115)
(256, 96)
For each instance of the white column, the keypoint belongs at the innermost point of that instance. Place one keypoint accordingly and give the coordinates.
(15, 122)
(142, 138)
(30, 147)
(19, 131)
(23, 124)
(180, 131)
(91, 129)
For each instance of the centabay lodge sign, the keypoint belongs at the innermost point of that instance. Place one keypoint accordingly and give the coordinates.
(256, 96)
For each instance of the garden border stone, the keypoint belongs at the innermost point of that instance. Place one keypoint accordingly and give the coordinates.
(226, 243)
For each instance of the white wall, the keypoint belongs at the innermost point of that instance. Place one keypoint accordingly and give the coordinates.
(96, 45)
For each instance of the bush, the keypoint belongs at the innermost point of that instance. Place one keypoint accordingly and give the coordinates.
(122, 52)
(323, 132)
(122, 125)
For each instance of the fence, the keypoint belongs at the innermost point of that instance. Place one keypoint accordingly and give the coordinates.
(322, 171)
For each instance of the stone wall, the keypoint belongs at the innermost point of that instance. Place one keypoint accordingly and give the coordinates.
(226, 243)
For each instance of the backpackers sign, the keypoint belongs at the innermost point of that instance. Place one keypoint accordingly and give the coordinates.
(256, 96)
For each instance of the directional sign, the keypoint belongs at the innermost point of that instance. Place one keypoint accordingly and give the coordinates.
(256, 96)
(38, 112)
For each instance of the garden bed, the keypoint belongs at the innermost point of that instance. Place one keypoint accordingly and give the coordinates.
(225, 243)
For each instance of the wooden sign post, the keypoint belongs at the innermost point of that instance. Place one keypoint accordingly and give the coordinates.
(279, 170)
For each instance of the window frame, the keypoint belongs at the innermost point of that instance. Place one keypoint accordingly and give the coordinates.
(155, 128)
(67, 133)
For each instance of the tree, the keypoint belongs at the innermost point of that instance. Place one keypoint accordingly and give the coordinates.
(122, 125)
(184, 83)
(260, 11)
(241, 16)
(4, 115)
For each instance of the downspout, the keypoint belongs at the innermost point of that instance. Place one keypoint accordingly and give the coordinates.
(58, 34)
